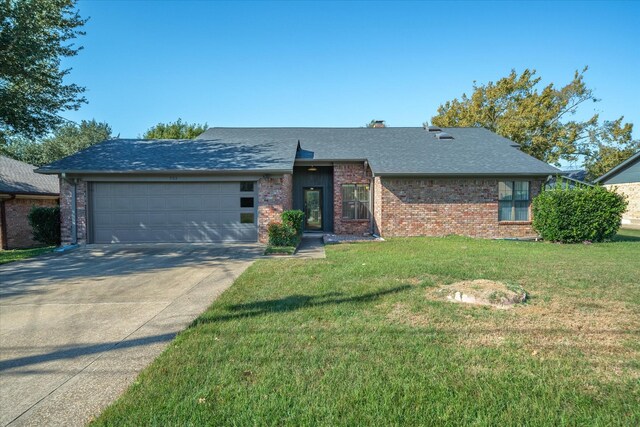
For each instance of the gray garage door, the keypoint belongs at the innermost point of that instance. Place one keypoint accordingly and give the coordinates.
(173, 212)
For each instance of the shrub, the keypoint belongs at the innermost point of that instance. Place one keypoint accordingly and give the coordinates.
(578, 214)
(295, 218)
(45, 222)
(282, 234)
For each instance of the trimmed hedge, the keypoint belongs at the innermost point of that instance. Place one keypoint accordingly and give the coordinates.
(282, 234)
(295, 218)
(578, 214)
(45, 222)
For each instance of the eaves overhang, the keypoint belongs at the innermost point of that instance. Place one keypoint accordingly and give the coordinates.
(166, 172)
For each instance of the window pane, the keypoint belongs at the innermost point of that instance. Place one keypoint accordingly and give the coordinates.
(505, 210)
(521, 190)
(363, 210)
(505, 190)
(348, 193)
(522, 210)
(246, 186)
(246, 202)
(246, 218)
(363, 193)
(349, 210)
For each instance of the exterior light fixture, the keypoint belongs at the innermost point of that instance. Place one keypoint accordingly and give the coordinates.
(312, 169)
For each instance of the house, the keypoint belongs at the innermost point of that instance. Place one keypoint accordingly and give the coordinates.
(625, 179)
(21, 189)
(569, 179)
(230, 183)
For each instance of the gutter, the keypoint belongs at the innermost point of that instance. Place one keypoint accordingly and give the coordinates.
(166, 172)
(462, 175)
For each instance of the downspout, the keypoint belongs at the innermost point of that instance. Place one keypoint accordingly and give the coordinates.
(74, 213)
(74, 209)
(371, 198)
(3, 221)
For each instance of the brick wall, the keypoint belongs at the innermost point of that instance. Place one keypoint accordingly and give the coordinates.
(274, 197)
(438, 207)
(348, 173)
(65, 211)
(632, 191)
(19, 232)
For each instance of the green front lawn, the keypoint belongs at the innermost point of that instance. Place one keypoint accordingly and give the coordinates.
(364, 337)
(18, 254)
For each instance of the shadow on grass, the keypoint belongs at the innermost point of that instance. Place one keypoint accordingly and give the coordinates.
(627, 236)
(294, 302)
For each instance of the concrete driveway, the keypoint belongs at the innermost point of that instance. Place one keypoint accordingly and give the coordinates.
(76, 328)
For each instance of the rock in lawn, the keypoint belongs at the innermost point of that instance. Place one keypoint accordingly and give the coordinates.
(486, 292)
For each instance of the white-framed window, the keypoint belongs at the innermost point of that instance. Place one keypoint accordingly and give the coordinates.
(355, 201)
(514, 199)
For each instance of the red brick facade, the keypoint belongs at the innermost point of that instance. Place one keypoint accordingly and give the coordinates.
(19, 232)
(349, 173)
(274, 197)
(66, 189)
(438, 207)
(400, 206)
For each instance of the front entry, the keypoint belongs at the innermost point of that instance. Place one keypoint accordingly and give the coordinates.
(313, 209)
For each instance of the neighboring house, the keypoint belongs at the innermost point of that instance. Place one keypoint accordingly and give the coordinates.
(230, 183)
(21, 189)
(625, 179)
(569, 179)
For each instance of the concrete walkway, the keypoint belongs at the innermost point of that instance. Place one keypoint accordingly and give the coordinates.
(77, 328)
(311, 247)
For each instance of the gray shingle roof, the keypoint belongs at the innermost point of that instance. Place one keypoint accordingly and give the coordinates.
(389, 151)
(19, 178)
(625, 172)
(180, 155)
(398, 151)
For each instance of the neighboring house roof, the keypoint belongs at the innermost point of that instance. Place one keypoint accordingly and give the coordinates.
(579, 175)
(625, 172)
(180, 155)
(19, 178)
(389, 151)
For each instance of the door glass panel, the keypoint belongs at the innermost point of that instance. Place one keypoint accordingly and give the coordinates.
(313, 208)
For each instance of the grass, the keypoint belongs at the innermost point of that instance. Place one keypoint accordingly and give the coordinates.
(627, 235)
(280, 250)
(18, 254)
(366, 337)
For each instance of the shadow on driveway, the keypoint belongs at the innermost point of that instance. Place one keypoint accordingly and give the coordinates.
(99, 262)
(72, 352)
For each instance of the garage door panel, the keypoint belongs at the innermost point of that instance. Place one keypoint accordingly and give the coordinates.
(169, 212)
(229, 201)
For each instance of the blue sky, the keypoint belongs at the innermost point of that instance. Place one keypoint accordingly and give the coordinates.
(339, 63)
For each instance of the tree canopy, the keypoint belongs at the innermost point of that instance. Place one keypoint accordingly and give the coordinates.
(541, 119)
(65, 140)
(34, 36)
(175, 130)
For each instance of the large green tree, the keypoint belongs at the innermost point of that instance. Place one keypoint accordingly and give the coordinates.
(175, 130)
(34, 36)
(64, 141)
(541, 119)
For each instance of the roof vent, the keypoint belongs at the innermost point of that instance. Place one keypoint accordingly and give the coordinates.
(443, 135)
(433, 129)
